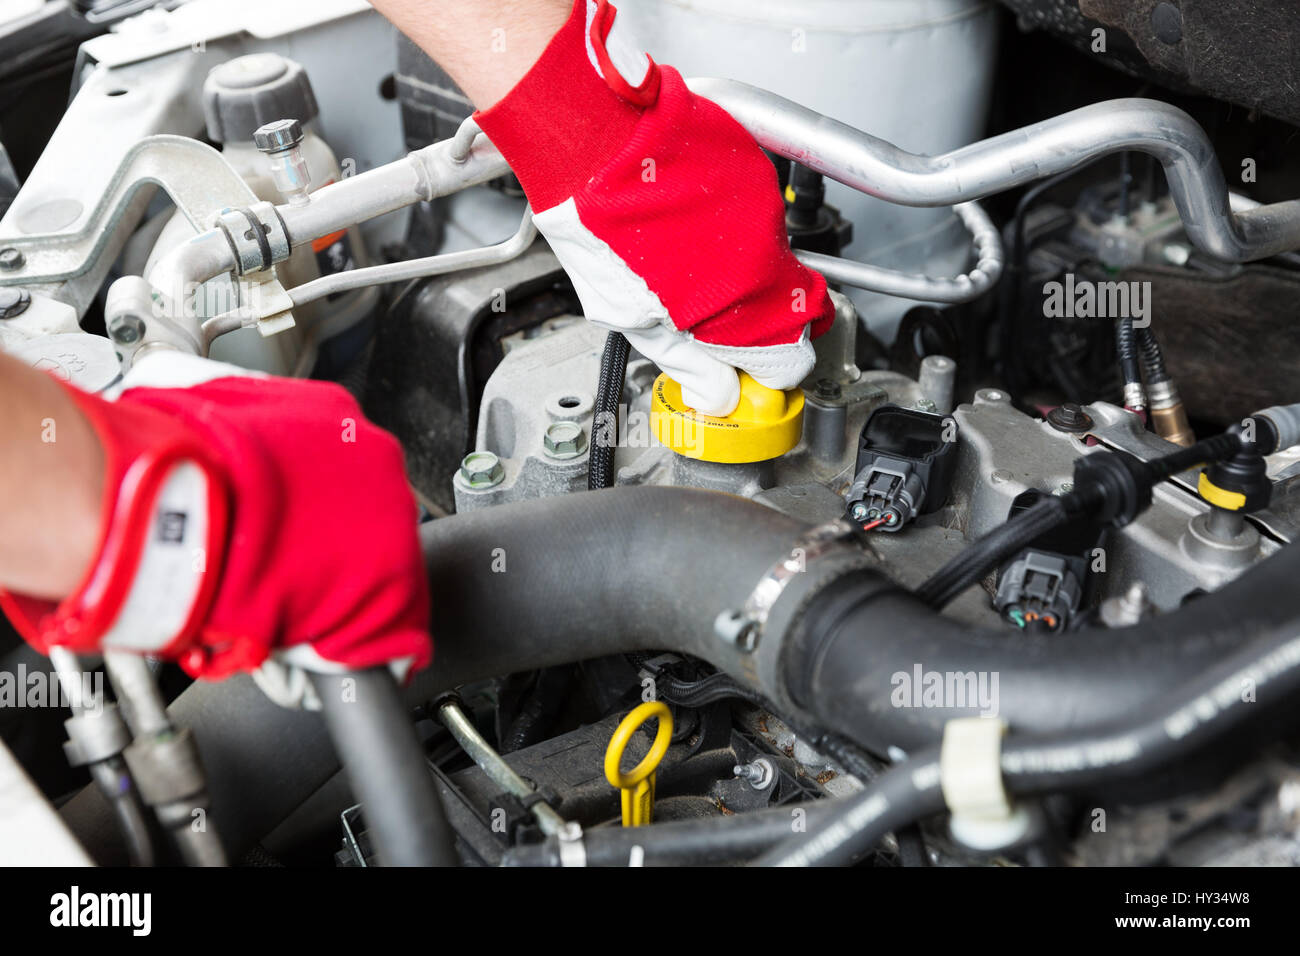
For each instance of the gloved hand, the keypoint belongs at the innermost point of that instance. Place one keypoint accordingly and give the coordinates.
(663, 210)
(243, 515)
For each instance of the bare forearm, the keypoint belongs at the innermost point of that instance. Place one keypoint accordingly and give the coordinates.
(486, 46)
(51, 477)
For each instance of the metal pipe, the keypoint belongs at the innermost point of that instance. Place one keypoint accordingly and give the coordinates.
(420, 176)
(165, 762)
(878, 168)
(96, 738)
(497, 770)
(137, 691)
(962, 288)
(417, 177)
(416, 268)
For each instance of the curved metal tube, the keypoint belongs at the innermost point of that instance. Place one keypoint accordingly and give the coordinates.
(873, 166)
(963, 288)
(417, 177)
(418, 268)
(197, 178)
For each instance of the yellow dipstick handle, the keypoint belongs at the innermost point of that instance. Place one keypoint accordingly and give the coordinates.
(638, 786)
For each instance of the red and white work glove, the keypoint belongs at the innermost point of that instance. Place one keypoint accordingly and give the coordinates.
(244, 516)
(663, 210)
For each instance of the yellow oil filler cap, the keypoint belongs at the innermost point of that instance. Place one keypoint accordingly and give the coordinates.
(766, 424)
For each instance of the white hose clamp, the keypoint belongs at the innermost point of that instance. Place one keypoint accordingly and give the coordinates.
(573, 852)
(970, 775)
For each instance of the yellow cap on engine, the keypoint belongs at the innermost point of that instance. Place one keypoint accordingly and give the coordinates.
(766, 424)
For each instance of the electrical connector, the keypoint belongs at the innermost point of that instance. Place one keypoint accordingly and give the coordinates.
(905, 463)
(1044, 585)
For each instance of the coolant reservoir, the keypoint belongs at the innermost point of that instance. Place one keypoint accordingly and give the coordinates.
(239, 96)
(917, 73)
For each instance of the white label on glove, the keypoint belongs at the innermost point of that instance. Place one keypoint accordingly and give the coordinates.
(172, 563)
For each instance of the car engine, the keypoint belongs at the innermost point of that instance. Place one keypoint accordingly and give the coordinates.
(1008, 581)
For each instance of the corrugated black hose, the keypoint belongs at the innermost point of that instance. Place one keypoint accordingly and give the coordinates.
(609, 394)
(1153, 359)
(1126, 349)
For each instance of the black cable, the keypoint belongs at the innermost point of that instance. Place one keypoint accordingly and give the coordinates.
(609, 394)
(1126, 349)
(1112, 486)
(1153, 359)
(1179, 724)
(984, 555)
(707, 690)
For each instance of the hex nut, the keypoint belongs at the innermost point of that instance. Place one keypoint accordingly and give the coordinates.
(480, 470)
(564, 440)
(278, 136)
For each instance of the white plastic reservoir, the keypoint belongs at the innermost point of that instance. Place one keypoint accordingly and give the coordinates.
(917, 73)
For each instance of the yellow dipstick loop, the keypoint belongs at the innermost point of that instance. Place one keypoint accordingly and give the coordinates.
(638, 785)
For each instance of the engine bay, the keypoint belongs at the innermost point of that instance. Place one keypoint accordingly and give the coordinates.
(1009, 580)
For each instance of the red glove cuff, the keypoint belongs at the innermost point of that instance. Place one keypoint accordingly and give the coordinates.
(563, 121)
(163, 522)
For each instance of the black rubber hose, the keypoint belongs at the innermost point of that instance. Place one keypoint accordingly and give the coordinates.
(385, 764)
(1182, 722)
(1126, 350)
(858, 657)
(698, 842)
(1153, 359)
(897, 798)
(609, 395)
(572, 592)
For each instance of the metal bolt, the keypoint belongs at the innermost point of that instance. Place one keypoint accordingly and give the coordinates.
(13, 301)
(1069, 417)
(564, 440)
(828, 389)
(1127, 609)
(11, 259)
(925, 405)
(737, 629)
(126, 329)
(278, 136)
(758, 774)
(481, 469)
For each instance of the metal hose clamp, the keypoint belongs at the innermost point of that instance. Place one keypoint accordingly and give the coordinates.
(256, 235)
(744, 627)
